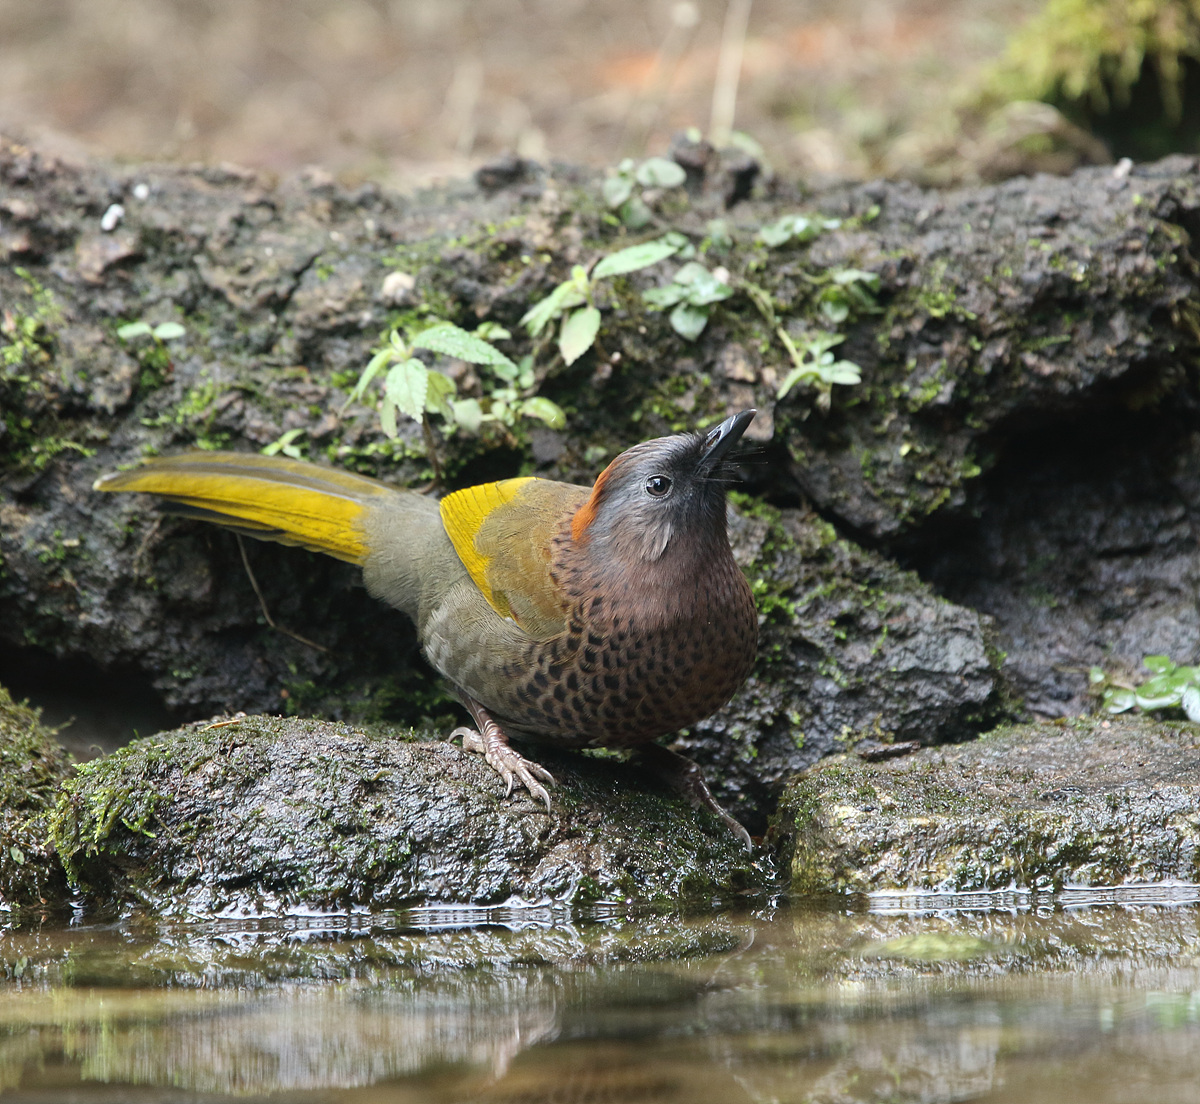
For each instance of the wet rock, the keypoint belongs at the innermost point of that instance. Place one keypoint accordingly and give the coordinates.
(261, 814)
(31, 767)
(1098, 803)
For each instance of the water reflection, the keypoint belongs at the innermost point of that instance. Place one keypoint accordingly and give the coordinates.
(1099, 1003)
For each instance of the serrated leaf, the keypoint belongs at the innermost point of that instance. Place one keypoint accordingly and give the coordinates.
(133, 329)
(689, 321)
(634, 257)
(545, 411)
(437, 397)
(169, 331)
(659, 172)
(579, 331)
(451, 340)
(617, 189)
(407, 385)
(1191, 703)
(468, 414)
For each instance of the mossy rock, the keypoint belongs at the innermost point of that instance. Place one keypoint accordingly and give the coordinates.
(264, 815)
(1035, 807)
(32, 766)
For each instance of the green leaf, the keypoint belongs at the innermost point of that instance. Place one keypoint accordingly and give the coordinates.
(440, 389)
(579, 331)
(387, 417)
(468, 414)
(451, 340)
(407, 385)
(801, 372)
(1157, 700)
(847, 276)
(570, 293)
(18, 856)
(663, 297)
(635, 214)
(703, 287)
(377, 362)
(1117, 699)
(1191, 703)
(689, 321)
(1096, 676)
(617, 189)
(1158, 663)
(133, 329)
(284, 444)
(545, 411)
(842, 371)
(834, 308)
(659, 172)
(492, 331)
(634, 257)
(169, 331)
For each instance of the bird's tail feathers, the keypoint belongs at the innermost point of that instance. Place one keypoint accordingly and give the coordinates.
(267, 497)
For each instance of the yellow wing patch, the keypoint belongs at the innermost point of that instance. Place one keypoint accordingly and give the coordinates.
(463, 513)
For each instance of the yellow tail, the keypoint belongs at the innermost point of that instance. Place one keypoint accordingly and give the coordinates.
(268, 497)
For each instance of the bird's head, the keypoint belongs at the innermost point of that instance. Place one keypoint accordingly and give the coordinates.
(662, 499)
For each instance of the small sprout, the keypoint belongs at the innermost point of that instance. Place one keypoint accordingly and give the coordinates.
(285, 443)
(692, 293)
(849, 289)
(164, 331)
(620, 188)
(814, 363)
(799, 228)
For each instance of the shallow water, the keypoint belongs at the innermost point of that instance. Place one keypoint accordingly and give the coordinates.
(1091, 998)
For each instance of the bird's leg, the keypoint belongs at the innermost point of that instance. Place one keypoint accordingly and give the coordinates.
(490, 742)
(684, 776)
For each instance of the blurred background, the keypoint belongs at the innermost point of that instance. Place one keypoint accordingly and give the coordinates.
(407, 90)
(403, 91)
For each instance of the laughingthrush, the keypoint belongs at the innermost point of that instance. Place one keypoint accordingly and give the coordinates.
(575, 617)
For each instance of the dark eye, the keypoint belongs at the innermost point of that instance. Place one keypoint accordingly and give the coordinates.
(658, 485)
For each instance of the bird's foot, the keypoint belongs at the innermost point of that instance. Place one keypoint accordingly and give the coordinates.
(513, 767)
(684, 776)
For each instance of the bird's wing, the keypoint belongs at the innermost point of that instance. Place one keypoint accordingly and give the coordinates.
(503, 534)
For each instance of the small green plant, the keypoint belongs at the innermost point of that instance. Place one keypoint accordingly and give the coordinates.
(798, 228)
(574, 302)
(1168, 687)
(849, 290)
(150, 346)
(812, 358)
(691, 293)
(621, 187)
(417, 391)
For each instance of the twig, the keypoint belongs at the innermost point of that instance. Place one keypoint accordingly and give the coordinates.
(729, 71)
(263, 602)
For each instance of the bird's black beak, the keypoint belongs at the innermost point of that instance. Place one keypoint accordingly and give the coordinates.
(721, 438)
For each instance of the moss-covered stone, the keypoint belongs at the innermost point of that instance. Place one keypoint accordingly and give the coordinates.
(1035, 807)
(269, 814)
(32, 766)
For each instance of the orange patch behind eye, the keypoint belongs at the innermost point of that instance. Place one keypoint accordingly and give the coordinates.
(586, 513)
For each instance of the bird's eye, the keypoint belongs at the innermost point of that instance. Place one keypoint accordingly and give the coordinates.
(658, 485)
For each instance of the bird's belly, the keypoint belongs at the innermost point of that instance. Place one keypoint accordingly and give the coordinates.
(624, 690)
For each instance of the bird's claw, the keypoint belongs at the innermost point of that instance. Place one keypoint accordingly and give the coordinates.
(511, 765)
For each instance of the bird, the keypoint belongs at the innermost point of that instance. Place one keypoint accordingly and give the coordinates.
(577, 617)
